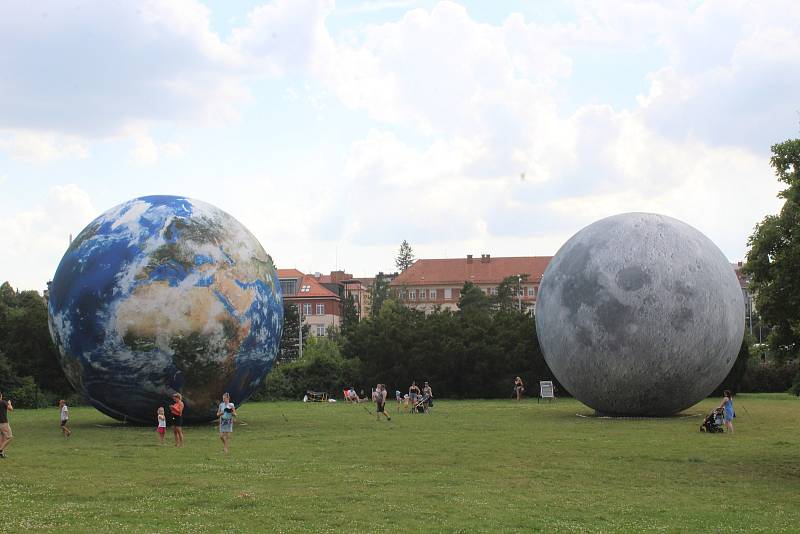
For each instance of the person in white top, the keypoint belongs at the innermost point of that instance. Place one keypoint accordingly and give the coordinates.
(226, 412)
(162, 425)
(64, 418)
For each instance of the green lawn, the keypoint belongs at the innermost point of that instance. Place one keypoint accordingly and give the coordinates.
(470, 466)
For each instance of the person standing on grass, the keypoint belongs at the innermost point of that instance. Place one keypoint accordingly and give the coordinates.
(64, 418)
(727, 410)
(427, 393)
(519, 388)
(5, 429)
(176, 409)
(413, 392)
(226, 412)
(162, 424)
(379, 396)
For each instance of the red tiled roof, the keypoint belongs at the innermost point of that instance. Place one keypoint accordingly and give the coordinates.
(289, 273)
(316, 290)
(478, 271)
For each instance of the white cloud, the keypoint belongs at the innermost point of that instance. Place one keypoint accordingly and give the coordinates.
(91, 69)
(284, 35)
(34, 240)
(32, 146)
(731, 80)
(483, 101)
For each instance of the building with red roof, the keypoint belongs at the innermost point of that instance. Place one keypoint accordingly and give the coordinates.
(319, 306)
(320, 297)
(431, 283)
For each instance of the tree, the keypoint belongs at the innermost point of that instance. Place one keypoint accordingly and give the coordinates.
(773, 258)
(290, 342)
(25, 340)
(349, 314)
(378, 293)
(473, 298)
(405, 258)
(506, 297)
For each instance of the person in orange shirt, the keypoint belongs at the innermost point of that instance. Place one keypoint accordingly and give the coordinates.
(176, 410)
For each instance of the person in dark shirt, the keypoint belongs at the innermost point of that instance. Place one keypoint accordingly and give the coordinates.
(5, 430)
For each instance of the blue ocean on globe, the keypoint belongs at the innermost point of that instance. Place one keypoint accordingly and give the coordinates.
(165, 294)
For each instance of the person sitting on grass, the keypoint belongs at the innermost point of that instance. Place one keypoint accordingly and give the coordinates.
(353, 396)
(64, 418)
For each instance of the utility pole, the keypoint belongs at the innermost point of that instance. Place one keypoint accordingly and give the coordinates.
(519, 291)
(300, 330)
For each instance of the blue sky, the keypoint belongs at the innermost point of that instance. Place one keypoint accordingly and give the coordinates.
(334, 130)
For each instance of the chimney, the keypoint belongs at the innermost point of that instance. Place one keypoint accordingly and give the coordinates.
(485, 258)
(469, 258)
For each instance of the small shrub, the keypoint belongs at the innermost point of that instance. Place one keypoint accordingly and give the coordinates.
(770, 376)
(28, 395)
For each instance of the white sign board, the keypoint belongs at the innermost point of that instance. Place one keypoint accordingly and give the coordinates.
(546, 389)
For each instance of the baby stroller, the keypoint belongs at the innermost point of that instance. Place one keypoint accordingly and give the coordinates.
(713, 422)
(421, 404)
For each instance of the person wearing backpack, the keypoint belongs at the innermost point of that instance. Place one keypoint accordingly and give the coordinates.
(226, 412)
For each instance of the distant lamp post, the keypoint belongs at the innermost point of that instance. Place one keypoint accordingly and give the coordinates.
(519, 292)
(299, 330)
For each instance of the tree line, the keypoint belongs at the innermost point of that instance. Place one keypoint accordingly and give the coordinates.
(29, 369)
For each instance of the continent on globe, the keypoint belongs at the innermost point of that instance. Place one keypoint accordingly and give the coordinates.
(639, 314)
(165, 294)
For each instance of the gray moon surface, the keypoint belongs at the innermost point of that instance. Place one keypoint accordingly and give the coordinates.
(640, 314)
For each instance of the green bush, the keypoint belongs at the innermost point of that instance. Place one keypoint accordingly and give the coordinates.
(28, 395)
(322, 368)
(770, 376)
(796, 384)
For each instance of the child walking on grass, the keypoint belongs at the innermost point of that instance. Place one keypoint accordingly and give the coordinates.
(64, 418)
(162, 425)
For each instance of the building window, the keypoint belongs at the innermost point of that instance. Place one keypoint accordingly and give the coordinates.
(305, 289)
(412, 294)
(320, 330)
(289, 287)
(448, 293)
(306, 309)
(531, 292)
(320, 309)
(422, 294)
(432, 294)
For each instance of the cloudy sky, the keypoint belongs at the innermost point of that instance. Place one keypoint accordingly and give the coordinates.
(334, 130)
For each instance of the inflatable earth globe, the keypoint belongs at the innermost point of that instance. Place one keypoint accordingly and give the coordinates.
(160, 295)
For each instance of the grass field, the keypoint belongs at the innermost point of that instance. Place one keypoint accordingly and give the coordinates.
(469, 466)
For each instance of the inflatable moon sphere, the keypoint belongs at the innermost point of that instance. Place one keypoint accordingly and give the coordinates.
(640, 314)
(160, 295)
